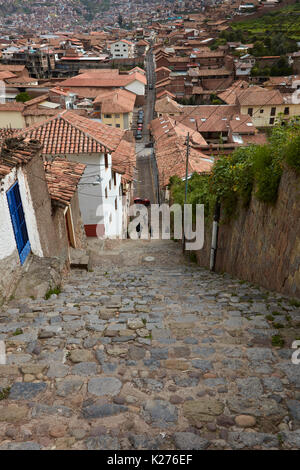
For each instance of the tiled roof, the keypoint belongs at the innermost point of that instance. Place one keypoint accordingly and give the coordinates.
(162, 83)
(125, 41)
(124, 159)
(216, 118)
(36, 100)
(258, 96)
(21, 80)
(6, 132)
(60, 91)
(70, 133)
(164, 93)
(167, 105)
(211, 72)
(137, 69)
(230, 95)
(142, 42)
(256, 139)
(87, 92)
(99, 80)
(208, 54)
(6, 74)
(108, 72)
(62, 178)
(117, 101)
(240, 93)
(163, 68)
(12, 68)
(47, 112)
(13, 106)
(16, 151)
(285, 81)
(170, 149)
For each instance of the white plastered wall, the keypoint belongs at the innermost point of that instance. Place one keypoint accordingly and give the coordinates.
(7, 238)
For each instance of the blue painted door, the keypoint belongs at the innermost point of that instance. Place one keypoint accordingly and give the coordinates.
(18, 221)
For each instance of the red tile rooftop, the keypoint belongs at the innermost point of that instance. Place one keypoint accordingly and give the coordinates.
(62, 178)
(15, 152)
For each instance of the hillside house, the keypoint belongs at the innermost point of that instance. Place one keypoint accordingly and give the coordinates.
(115, 108)
(122, 49)
(39, 209)
(264, 106)
(109, 156)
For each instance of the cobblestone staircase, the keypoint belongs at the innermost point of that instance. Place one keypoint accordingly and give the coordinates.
(149, 351)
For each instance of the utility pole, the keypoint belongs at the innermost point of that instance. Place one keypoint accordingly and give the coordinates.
(186, 181)
(187, 165)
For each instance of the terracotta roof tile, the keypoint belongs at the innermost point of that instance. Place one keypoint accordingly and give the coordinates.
(165, 93)
(40, 112)
(100, 81)
(15, 152)
(116, 101)
(13, 106)
(62, 178)
(6, 74)
(170, 149)
(258, 96)
(12, 68)
(70, 133)
(240, 93)
(167, 105)
(36, 100)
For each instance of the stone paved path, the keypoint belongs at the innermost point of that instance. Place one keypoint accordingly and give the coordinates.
(149, 351)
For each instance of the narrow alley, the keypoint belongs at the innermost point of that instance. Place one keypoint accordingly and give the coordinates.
(148, 351)
(146, 184)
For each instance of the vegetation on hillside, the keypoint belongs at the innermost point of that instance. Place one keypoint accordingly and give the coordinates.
(279, 69)
(250, 171)
(275, 33)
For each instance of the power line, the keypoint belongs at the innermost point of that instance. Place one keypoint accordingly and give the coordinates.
(127, 163)
(100, 195)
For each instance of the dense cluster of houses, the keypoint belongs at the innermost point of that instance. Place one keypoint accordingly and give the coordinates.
(68, 102)
(210, 94)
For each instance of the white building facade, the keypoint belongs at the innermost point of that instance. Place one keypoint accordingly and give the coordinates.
(100, 196)
(122, 49)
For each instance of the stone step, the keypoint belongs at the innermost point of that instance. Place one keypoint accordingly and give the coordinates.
(79, 259)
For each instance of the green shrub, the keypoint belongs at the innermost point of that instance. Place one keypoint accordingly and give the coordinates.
(23, 97)
(267, 171)
(234, 176)
(293, 153)
(277, 340)
(4, 393)
(56, 290)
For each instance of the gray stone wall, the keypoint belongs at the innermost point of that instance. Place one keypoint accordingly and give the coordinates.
(262, 244)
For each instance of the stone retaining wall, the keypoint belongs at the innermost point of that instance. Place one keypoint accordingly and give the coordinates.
(262, 244)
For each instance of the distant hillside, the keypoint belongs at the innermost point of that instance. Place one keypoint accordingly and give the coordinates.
(86, 9)
(285, 20)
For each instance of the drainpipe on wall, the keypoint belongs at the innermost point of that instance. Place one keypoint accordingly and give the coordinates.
(214, 237)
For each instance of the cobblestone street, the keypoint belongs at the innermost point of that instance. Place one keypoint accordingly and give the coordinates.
(150, 351)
